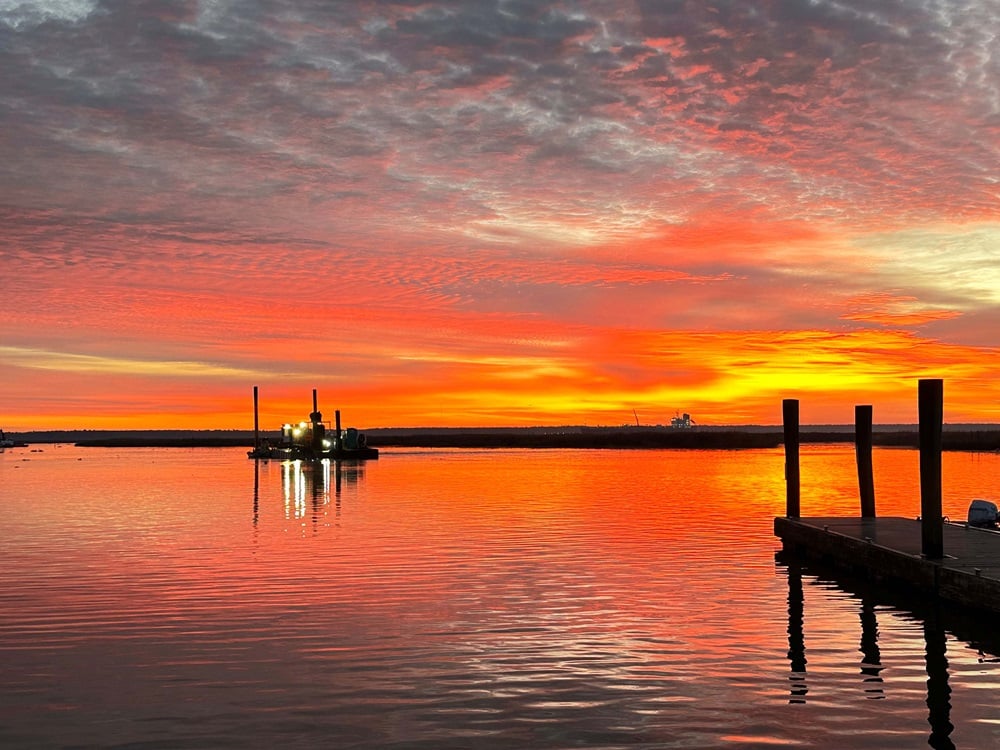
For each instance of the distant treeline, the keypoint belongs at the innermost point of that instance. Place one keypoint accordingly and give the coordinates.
(593, 438)
(973, 440)
(596, 438)
(149, 441)
(672, 438)
(576, 437)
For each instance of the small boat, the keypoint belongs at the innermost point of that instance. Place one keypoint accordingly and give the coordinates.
(313, 440)
(6, 442)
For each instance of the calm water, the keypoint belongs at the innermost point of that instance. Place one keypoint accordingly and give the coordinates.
(467, 599)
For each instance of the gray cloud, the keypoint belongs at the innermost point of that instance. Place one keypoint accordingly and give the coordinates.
(212, 98)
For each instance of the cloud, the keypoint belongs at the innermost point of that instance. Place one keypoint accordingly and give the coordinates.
(283, 184)
(19, 14)
(802, 107)
(92, 365)
(896, 311)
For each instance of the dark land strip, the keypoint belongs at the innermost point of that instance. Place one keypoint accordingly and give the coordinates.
(980, 440)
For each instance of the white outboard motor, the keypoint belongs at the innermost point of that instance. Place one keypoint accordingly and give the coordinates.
(983, 514)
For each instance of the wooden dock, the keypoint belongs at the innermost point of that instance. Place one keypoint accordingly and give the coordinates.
(888, 550)
(953, 562)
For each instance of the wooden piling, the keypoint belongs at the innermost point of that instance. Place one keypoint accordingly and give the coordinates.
(790, 420)
(903, 552)
(930, 397)
(863, 451)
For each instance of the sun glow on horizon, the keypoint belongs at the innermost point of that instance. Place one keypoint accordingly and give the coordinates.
(720, 378)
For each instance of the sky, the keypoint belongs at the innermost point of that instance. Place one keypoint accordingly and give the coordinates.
(497, 213)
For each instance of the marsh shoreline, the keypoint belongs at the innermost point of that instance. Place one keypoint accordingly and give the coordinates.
(986, 438)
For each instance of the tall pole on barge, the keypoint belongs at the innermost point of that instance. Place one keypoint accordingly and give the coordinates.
(318, 430)
(256, 422)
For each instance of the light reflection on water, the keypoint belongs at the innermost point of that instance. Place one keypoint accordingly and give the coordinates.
(447, 599)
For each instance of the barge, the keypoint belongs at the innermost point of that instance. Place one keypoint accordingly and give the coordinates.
(312, 440)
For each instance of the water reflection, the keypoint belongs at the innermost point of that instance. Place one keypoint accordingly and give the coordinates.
(871, 661)
(938, 689)
(302, 480)
(979, 632)
(256, 492)
(796, 637)
(494, 599)
(310, 487)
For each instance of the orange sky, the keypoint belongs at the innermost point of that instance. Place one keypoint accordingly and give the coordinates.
(488, 215)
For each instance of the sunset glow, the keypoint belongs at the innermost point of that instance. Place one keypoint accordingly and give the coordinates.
(496, 213)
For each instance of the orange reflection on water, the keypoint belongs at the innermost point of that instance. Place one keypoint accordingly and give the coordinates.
(829, 481)
(502, 589)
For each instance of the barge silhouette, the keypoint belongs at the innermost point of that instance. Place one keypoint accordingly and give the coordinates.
(312, 440)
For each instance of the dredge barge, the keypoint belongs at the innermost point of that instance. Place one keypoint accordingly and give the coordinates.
(312, 441)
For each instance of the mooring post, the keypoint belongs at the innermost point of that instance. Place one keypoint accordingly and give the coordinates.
(863, 450)
(930, 398)
(790, 420)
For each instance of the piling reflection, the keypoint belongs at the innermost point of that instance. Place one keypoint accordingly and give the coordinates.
(796, 637)
(979, 632)
(256, 492)
(871, 656)
(938, 689)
